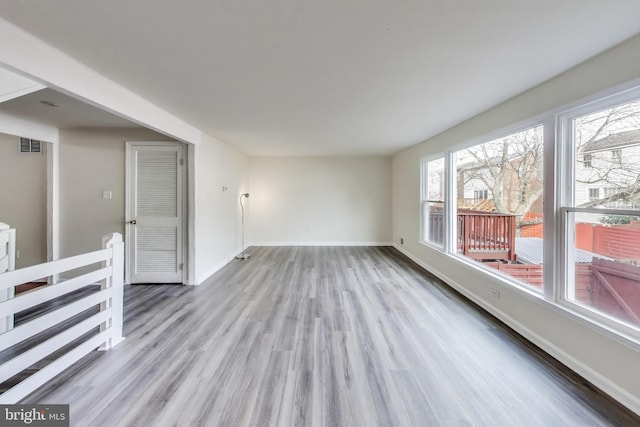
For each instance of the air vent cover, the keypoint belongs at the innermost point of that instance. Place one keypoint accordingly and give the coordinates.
(25, 145)
(30, 145)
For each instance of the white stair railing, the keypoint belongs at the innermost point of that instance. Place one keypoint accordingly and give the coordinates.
(7, 263)
(109, 298)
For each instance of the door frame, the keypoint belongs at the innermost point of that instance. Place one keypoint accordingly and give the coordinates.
(186, 204)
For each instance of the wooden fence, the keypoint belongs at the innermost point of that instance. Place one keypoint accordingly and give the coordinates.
(616, 289)
(531, 225)
(531, 274)
(607, 286)
(620, 242)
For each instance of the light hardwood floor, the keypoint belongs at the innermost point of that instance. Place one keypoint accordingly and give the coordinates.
(321, 336)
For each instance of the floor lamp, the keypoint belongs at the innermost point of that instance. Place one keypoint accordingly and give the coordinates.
(243, 255)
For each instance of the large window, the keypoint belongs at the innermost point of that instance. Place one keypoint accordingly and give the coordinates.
(433, 201)
(499, 204)
(578, 173)
(603, 227)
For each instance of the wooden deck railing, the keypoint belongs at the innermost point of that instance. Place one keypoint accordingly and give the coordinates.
(487, 235)
(481, 235)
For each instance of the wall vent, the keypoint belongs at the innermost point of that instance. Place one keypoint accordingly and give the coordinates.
(30, 145)
(25, 145)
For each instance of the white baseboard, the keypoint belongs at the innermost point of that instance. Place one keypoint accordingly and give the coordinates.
(603, 383)
(213, 270)
(218, 266)
(321, 244)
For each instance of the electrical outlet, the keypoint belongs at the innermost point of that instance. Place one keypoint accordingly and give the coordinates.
(495, 293)
(17, 253)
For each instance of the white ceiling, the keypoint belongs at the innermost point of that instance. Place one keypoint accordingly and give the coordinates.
(68, 112)
(331, 77)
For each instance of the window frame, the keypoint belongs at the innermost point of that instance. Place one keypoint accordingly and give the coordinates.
(567, 273)
(490, 137)
(616, 155)
(564, 197)
(424, 201)
(559, 170)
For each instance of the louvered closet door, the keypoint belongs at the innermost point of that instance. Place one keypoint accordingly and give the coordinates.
(155, 205)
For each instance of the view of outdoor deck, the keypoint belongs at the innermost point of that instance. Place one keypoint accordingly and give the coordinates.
(499, 198)
(606, 258)
(481, 235)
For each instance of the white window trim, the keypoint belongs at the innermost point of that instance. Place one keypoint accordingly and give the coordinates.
(451, 200)
(566, 271)
(424, 197)
(564, 195)
(450, 203)
(559, 170)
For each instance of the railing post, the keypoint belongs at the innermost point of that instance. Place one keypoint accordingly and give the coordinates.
(467, 234)
(512, 238)
(460, 235)
(115, 304)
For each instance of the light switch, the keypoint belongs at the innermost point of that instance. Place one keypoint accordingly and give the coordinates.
(106, 194)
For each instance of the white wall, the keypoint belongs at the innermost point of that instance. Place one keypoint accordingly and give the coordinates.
(23, 199)
(320, 200)
(92, 160)
(46, 65)
(217, 216)
(214, 217)
(608, 363)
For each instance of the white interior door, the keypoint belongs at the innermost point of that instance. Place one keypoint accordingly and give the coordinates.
(154, 229)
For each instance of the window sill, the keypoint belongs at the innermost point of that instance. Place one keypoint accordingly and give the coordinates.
(571, 311)
(591, 320)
